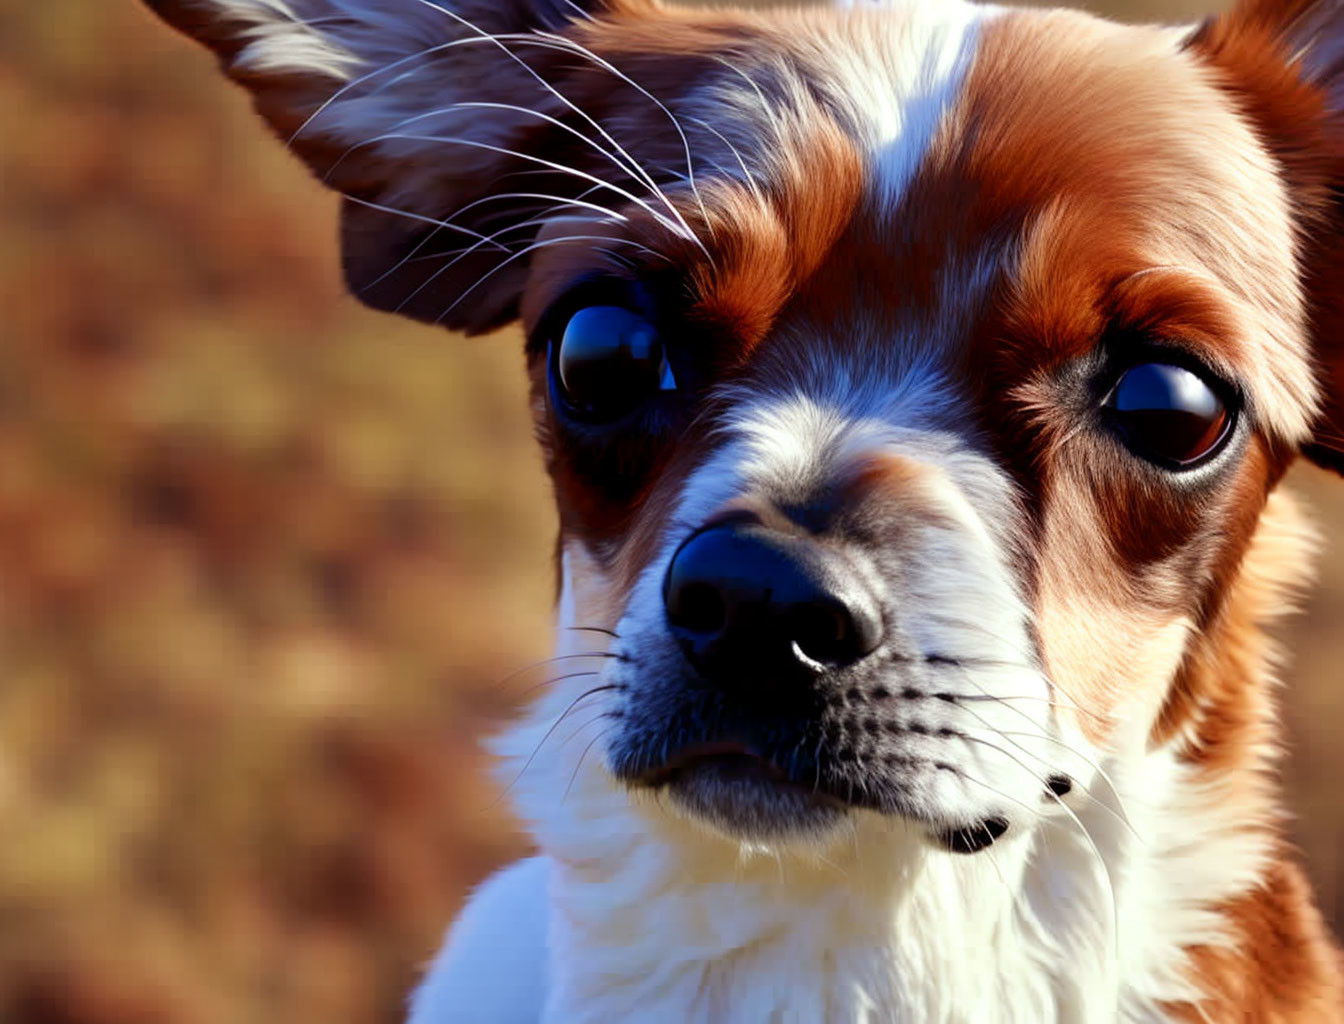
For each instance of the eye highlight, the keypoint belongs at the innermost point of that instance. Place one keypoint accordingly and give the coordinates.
(1169, 415)
(608, 362)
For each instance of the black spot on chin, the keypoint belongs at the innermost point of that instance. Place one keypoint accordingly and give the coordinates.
(975, 838)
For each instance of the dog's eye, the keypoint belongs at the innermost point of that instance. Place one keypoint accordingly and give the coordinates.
(608, 363)
(1168, 414)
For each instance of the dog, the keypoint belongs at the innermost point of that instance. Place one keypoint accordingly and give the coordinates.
(916, 381)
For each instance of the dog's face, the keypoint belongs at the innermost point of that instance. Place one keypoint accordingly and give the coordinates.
(912, 378)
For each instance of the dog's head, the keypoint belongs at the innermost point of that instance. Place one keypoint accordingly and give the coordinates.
(913, 377)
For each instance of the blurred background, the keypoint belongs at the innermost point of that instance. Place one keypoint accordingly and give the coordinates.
(267, 560)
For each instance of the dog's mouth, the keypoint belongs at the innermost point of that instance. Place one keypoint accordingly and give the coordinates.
(724, 760)
(739, 790)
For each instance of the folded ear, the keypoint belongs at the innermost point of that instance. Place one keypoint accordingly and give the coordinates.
(453, 128)
(1283, 60)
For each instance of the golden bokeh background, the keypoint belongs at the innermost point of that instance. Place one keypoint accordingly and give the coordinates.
(267, 561)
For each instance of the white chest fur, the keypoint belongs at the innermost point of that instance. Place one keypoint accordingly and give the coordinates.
(1083, 921)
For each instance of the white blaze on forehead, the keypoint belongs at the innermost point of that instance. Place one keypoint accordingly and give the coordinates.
(839, 409)
(801, 438)
(903, 67)
(886, 72)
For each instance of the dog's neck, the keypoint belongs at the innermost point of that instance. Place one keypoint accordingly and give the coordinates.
(1124, 909)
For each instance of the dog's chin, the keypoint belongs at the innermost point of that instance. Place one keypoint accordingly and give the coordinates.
(746, 798)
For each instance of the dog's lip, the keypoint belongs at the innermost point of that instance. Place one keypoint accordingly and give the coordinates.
(726, 755)
(739, 790)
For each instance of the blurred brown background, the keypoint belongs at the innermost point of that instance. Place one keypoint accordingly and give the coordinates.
(265, 558)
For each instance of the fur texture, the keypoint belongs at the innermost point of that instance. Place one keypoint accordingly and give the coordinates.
(900, 257)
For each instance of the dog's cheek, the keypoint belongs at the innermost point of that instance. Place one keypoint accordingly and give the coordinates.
(1112, 635)
(1129, 577)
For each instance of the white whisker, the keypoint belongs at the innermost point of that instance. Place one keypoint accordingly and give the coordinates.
(579, 10)
(394, 212)
(482, 36)
(1114, 949)
(539, 38)
(458, 255)
(1044, 762)
(685, 142)
(475, 144)
(559, 202)
(633, 170)
(382, 70)
(533, 248)
(1122, 816)
(737, 155)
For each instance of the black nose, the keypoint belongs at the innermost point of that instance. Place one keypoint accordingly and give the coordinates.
(745, 600)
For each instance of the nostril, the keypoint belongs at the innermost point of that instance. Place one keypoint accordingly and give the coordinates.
(697, 606)
(824, 631)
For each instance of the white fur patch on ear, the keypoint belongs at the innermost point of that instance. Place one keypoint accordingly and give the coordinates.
(327, 38)
(334, 38)
(282, 42)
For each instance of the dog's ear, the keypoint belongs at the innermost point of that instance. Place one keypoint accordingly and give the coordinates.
(1283, 61)
(452, 127)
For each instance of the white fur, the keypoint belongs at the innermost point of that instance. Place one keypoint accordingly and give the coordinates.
(887, 70)
(333, 37)
(495, 969)
(902, 82)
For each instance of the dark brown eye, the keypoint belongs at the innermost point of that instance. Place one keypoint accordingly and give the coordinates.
(608, 363)
(1168, 414)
